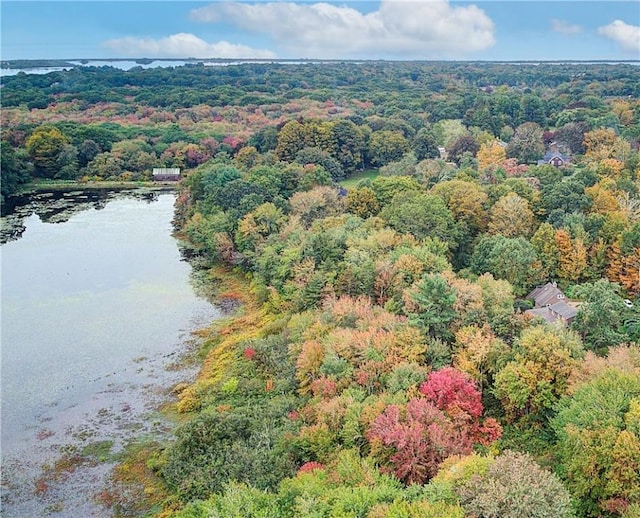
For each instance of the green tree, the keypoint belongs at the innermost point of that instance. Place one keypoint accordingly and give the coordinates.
(514, 486)
(386, 146)
(424, 144)
(599, 442)
(511, 259)
(526, 144)
(422, 215)
(15, 170)
(431, 306)
(348, 147)
(601, 316)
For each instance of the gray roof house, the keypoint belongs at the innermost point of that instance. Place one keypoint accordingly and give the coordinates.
(551, 305)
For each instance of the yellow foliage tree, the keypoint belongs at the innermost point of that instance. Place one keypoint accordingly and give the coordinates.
(572, 256)
(511, 217)
(490, 155)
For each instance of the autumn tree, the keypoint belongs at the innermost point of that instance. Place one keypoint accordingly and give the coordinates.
(44, 147)
(603, 143)
(445, 421)
(572, 256)
(490, 156)
(598, 431)
(544, 242)
(362, 202)
(511, 217)
(533, 382)
(466, 200)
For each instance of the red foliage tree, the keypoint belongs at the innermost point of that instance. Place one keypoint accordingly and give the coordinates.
(429, 429)
(453, 391)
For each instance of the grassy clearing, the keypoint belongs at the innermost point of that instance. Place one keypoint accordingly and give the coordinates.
(353, 180)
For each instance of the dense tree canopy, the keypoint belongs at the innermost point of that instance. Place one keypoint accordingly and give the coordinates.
(386, 222)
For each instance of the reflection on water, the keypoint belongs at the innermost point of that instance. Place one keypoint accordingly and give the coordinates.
(58, 207)
(94, 310)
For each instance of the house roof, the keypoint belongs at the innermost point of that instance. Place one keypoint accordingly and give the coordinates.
(545, 295)
(172, 171)
(564, 309)
(558, 312)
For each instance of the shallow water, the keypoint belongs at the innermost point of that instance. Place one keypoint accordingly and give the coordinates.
(96, 309)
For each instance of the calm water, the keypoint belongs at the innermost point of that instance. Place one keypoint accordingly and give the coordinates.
(94, 311)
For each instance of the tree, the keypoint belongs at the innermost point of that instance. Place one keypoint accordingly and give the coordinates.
(601, 315)
(514, 486)
(44, 146)
(430, 306)
(532, 109)
(386, 146)
(291, 139)
(599, 443)
(526, 144)
(511, 259)
(463, 146)
(87, 151)
(319, 202)
(466, 200)
(446, 421)
(67, 163)
(348, 145)
(603, 143)
(362, 202)
(15, 170)
(532, 383)
(386, 187)
(572, 256)
(511, 217)
(544, 242)
(424, 145)
(571, 135)
(315, 155)
(422, 215)
(491, 155)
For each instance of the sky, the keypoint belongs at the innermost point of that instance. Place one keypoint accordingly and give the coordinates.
(283, 29)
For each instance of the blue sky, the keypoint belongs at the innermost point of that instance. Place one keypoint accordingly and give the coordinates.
(386, 29)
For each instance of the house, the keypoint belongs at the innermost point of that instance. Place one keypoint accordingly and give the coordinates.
(545, 295)
(552, 305)
(166, 174)
(554, 157)
(562, 312)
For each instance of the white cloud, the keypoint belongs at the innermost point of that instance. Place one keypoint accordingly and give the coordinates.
(183, 45)
(627, 36)
(406, 28)
(563, 27)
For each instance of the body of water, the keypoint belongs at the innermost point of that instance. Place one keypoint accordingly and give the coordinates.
(96, 310)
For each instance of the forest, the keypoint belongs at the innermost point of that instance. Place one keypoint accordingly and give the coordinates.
(438, 271)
